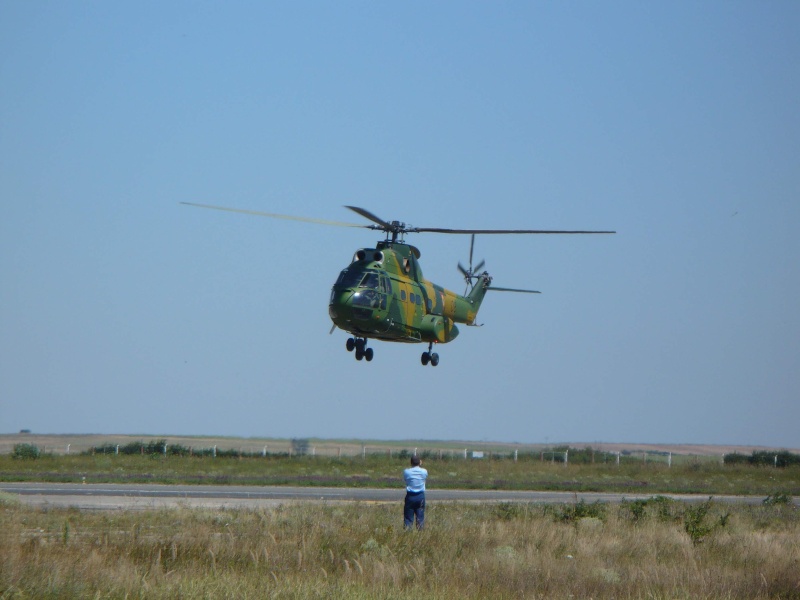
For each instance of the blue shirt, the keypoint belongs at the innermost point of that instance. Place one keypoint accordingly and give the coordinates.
(415, 479)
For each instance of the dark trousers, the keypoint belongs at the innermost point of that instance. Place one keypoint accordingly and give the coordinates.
(414, 508)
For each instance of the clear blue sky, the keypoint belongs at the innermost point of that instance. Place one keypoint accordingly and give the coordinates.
(675, 123)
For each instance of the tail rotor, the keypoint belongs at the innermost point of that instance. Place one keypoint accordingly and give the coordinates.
(470, 273)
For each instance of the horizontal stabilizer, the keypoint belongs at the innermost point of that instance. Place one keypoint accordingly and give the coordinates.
(505, 289)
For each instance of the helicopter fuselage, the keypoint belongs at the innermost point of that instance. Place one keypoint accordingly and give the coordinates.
(383, 295)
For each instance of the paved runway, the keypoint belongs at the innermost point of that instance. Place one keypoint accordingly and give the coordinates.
(145, 496)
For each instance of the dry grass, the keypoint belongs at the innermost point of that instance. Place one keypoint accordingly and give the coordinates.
(359, 551)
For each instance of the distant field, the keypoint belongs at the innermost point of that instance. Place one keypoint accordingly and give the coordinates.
(76, 443)
(379, 464)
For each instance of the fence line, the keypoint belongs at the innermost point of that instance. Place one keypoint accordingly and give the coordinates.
(72, 445)
(295, 448)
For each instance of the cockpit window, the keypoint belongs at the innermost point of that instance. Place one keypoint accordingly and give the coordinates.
(370, 281)
(357, 278)
(349, 278)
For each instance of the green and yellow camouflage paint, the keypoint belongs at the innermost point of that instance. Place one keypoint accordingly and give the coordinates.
(383, 295)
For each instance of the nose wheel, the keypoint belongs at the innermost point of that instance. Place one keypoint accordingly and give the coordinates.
(360, 346)
(430, 357)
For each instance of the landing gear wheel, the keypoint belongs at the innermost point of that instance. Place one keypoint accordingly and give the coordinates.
(360, 346)
(430, 357)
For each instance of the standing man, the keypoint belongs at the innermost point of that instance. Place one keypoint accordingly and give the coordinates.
(414, 507)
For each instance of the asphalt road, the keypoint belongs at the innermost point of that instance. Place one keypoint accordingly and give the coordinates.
(143, 496)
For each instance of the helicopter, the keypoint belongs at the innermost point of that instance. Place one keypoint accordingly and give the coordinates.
(382, 294)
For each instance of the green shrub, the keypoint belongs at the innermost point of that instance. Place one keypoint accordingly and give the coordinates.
(154, 447)
(506, 511)
(30, 451)
(778, 499)
(665, 508)
(636, 508)
(697, 525)
(765, 458)
(736, 458)
(661, 507)
(572, 513)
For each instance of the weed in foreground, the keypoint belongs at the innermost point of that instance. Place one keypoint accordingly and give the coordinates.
(778, 499)
(572, 513)
(360, 551)
(698, 524)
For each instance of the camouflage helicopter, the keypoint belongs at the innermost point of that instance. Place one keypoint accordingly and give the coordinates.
(382, 294)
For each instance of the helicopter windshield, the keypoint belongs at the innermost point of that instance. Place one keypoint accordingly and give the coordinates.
(349, 278)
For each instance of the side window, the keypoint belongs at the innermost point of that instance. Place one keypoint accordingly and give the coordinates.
(429, 305)
(403, 295)
(411, 298)
(419, 300)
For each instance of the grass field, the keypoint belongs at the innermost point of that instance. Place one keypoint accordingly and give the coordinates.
(659, 549)
(380, 470)
(642, 549)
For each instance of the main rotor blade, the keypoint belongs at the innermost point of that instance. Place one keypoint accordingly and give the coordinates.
(368, 215)
(504, 289)
(494, 231)
(391, 227)
(277, 216)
